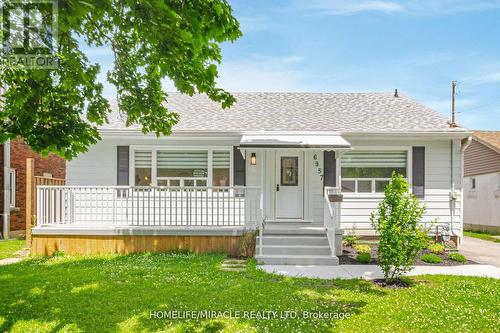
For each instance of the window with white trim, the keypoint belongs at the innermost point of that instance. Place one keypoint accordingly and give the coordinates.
(221, 165)
(12, 194)
(142, 167)
(174, 167)
(366, 171)
(182, 168)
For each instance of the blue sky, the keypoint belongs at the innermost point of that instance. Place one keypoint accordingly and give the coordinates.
(418, 47)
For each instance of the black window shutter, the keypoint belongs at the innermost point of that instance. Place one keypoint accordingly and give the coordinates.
(329, 168)
(238, 168)
(122, 171)
(418, 170)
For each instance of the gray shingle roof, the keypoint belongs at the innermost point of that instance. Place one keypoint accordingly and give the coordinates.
(337, 112)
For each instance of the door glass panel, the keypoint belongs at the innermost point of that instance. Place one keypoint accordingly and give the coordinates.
(289, 171)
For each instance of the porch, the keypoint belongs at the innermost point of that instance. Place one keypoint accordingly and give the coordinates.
(123, 219)
(147, 206)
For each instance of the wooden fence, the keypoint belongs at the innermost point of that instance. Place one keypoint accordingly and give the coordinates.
(32, 182)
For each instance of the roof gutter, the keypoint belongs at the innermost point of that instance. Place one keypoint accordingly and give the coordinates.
(455, 134)
(466, 144)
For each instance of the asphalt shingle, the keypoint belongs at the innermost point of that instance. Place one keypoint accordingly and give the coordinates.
(337, 112)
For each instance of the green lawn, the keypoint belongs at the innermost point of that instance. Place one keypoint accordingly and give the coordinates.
(9, 247)
(118, 294)
(482, 235)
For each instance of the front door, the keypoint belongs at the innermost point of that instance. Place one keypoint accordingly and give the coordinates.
(289, 185)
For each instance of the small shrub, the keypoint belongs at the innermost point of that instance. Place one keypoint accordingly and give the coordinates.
(363, 258)
(457, 257)
(362, 248)
(436, 248)
(431, 258)
(58, 253)
(350, 240)
(247, 244)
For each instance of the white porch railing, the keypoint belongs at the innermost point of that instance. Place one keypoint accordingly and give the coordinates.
(331, 216)
(148, 206)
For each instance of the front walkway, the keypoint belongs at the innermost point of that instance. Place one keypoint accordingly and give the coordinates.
(481, 251)
(369, 272)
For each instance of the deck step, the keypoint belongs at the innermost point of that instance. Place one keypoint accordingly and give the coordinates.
(301, 231)
(295, 250)
(297, 260)
(312, 240)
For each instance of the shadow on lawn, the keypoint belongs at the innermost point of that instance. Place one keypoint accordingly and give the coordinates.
(122, 293)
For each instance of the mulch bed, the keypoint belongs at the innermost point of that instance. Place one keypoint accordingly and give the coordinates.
(348, 257)
(401, 283)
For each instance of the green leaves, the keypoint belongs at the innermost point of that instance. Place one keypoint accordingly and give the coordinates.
(397, 225)
(58, 110)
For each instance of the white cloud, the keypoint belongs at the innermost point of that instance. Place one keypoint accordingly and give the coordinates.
(414, 7)
(492, 77)
(262, 73)
(258, 73)
(250, 24)
(343, 7)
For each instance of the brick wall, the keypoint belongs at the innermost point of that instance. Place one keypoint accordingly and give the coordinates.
(52, 164)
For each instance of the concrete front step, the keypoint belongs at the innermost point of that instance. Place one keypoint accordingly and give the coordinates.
(297, 260)
(295, 250)
(312, 240)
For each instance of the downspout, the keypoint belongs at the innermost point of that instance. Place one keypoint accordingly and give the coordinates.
(6, 182)
(6, 190)
(465, 144)
(453, 194)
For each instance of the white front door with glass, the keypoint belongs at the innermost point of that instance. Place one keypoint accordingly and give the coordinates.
(289, 185)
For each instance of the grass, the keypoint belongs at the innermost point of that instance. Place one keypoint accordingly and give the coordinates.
(482, 235)
(9, 247)
(119, 293)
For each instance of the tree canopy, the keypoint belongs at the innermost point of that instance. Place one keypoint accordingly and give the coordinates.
(58, 110)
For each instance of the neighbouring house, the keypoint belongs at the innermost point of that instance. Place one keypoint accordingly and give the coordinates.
(13, 198)
(302, 168)
(482, 182)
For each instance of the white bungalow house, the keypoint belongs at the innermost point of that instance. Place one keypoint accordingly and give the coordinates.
(281, 158)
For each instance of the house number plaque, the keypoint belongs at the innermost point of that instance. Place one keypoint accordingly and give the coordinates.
(317, 166)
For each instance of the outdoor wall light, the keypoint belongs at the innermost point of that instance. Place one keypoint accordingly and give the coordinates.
(253, 159)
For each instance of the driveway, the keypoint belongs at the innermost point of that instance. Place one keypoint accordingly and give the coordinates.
(481, 251)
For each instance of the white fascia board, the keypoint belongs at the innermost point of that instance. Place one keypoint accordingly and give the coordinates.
(427, 135)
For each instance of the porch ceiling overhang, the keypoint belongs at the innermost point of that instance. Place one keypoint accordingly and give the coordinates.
(317, 141)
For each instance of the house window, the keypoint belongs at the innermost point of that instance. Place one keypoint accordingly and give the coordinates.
(221, 164)
(142, 166)
(189, 167)
(473, 183)
(370, 171)
(182, 168)
(12, 194)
